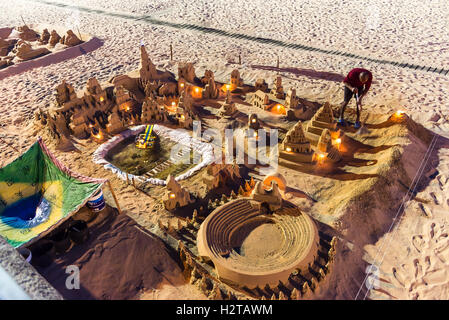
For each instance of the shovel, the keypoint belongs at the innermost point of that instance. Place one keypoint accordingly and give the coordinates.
(362, 129)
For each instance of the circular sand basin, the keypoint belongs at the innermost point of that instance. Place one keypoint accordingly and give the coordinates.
(252, 249)
(179, 136)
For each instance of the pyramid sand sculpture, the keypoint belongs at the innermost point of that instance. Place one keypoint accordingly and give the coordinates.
(323, 119)
(296, 147)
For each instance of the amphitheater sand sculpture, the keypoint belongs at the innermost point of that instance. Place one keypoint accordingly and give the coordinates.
(253, 249)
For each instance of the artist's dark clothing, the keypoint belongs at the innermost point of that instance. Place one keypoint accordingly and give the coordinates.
(349, 93)
(353, 79)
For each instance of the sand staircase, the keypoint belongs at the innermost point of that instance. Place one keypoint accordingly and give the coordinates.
(161, 165)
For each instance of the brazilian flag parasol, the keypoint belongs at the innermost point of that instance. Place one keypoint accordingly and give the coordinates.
(37, 192)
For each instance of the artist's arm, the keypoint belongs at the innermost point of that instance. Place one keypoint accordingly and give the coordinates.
(353, 89)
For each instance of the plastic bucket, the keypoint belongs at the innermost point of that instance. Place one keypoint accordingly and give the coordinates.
(26, 254)
(96, 202)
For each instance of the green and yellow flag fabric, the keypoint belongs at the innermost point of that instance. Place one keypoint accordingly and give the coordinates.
(38, 192)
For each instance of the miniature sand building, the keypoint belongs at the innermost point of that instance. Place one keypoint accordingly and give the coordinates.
(278, 89)
(261, 100)
(325, 147)
(218, 174)
(228, 108)
(152, 112)
(210, 90)
(261, 85)
(236, 81)
(186, 71)
(253, 122)
(323, 119)
(177, 196)
(270, 199)
(295, 146)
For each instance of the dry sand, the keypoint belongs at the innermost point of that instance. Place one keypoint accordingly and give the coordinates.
(406, 31)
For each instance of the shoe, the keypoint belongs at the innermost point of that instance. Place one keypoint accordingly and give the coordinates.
(357, 125)
(341, 122)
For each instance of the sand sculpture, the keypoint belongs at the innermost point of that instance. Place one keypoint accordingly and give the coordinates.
(278, 89)
(228, 108)
(295, 146)
(27, 34)
(236, 81)
(45, 37)
(70, 39)
(325, 147)
(218, 174)
(323, 119)
(184, 111)
(54, 38)
(186, 71)
(261, 100)
(177, 196)
(270, 199)
(152, 112)
(261, 85)
(210, 89)
(253, 122)
(147, 69)
(230, 237)
(26, 52)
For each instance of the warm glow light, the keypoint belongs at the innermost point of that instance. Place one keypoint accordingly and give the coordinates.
(197, 89)
(172, 195)
(253, 121)
(288, 149)
(101, 99)
(338, 140)
(228, 87)
(173, 103)
(182, 117)
(255, 134)
(98, 136)
(182, 85)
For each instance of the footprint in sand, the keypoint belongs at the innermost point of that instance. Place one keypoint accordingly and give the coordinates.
(426, 268)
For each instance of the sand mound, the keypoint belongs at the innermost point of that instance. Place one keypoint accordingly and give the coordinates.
(119, 261)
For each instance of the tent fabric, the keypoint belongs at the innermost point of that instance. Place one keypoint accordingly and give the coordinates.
(37, 192)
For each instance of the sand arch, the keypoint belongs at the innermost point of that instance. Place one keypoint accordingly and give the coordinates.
(278, 178)
(254, 249)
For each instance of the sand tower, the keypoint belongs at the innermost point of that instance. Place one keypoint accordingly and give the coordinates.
(295, 146)
(147, 68)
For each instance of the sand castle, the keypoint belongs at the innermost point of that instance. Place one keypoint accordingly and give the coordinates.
(177, 196)
(295, 146)
(217, 175)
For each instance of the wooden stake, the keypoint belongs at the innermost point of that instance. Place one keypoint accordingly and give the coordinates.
(240, 59)
(114, 196)
(134, 182)
(127, 178)
(23, 21)
(171, 52)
